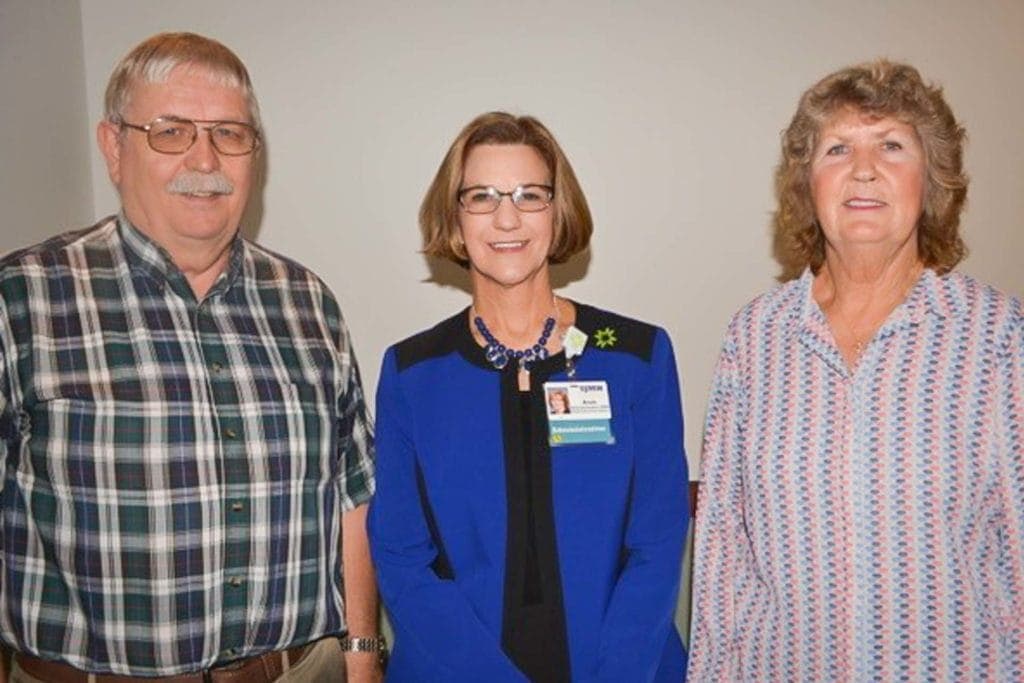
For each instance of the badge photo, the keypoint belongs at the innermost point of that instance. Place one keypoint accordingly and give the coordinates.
(578, 412)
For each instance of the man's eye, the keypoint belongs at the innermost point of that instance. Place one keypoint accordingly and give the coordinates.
(892, 145)
(231, 133)
(172, 131)
(835, 150)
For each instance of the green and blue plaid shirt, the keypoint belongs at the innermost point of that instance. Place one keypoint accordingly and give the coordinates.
(174, 470)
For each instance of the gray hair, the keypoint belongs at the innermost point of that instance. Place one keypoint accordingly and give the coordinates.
(153, 60)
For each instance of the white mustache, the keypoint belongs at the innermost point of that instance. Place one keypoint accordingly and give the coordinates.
(194, 182)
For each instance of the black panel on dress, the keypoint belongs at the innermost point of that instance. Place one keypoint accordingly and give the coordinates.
(453, 335)
(439, 340)
(631, 336)
(534, 633)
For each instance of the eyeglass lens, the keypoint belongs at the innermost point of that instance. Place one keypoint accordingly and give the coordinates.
(175, 137)
(487, 199)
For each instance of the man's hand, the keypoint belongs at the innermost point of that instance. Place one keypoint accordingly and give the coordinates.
(363, 667)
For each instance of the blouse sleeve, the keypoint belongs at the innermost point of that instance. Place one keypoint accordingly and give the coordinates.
(424, 608)
(639, 619)
(721, 549)
(1011, 485)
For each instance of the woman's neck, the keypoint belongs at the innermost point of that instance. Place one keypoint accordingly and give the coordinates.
(515, 315)
(857, 298)
(857, 286)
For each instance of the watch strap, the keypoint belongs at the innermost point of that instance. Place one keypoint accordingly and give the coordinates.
(355, 644)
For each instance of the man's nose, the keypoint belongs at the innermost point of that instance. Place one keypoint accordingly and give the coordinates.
(202, 156)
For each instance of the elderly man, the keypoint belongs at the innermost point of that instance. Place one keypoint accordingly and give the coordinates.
(185, 447)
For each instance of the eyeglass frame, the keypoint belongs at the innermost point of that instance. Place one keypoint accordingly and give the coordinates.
(147, 127)
(514, 195)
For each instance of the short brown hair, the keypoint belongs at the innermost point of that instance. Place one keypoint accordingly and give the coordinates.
(885, 89)
(153, 60)
(439, 212)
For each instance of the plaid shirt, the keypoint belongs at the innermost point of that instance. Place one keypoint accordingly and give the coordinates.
(174, 470)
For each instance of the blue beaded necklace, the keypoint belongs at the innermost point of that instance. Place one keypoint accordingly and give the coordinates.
(499, 355)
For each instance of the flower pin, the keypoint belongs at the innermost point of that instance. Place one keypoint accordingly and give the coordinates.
(605, 338)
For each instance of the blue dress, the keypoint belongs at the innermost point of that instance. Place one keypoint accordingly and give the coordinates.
(498, 553)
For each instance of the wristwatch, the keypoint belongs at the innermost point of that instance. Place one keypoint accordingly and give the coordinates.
(376, 644)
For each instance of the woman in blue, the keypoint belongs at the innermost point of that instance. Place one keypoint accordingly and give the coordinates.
(511, 545)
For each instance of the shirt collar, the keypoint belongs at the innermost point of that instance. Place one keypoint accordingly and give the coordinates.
(938, 297)
(928, 296)
(147, 257)
(925, 299)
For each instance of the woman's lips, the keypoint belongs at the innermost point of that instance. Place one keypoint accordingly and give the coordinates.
(508, 245)
(863, 203)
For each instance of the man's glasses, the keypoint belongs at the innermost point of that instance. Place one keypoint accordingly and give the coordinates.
(176, 136)
(486, 199)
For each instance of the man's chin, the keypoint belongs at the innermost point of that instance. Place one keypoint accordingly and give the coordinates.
(203, 228)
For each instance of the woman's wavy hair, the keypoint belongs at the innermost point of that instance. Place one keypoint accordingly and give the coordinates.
(884, 89)
(439, 212)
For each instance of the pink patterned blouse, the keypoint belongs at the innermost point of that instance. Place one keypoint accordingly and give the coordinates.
(869, 524)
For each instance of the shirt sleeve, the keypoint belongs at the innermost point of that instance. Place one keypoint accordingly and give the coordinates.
(640, 614)
(430, 614)
(721, 548)
(8, 427)
(355, 431)
(1011, 485)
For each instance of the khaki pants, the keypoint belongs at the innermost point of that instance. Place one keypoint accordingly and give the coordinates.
(325, 663)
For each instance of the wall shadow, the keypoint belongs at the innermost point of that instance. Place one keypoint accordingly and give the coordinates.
(573, 270)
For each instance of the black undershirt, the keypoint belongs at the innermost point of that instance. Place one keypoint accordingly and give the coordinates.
(534, 629)
(533, 591)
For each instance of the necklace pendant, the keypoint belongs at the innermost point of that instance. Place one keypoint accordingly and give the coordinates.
(496, 356)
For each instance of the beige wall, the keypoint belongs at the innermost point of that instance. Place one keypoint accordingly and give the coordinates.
(670, 112)
(45, 133)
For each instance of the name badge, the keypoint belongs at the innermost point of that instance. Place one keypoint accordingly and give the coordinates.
(578, 412)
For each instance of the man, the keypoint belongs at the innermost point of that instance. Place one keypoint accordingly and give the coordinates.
(183, 434)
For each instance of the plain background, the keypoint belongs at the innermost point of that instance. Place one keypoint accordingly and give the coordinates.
(669, 111)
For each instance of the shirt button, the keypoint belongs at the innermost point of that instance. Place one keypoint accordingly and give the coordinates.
(230, 433)
(236, 581)
(216, 367)
(230, 652)
(237, 506)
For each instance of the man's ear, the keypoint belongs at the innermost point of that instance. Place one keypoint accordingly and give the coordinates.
(108, 137)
